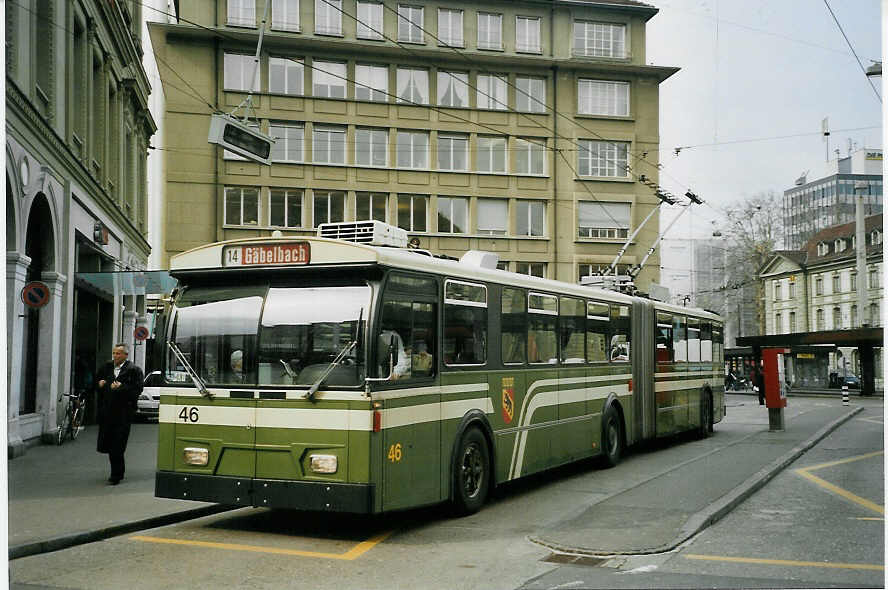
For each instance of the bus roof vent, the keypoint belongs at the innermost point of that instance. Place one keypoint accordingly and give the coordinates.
(480, 258)
(374, 233)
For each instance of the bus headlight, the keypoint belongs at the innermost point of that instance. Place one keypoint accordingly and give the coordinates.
(324, 463)
(196, 456)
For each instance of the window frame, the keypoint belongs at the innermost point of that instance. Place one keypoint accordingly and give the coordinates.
(457, 83)
(287, 64)
(411, 84)
(466, 303)
(447, 40)
(447, 143)
(328, 195)
(366, 25)
(245, 63)
(329, 129)
(526, 48)
(340, 79)
(619, 233)
(242, 19)
(610, 49)
(287, 142)
(286, 209)
(412, 134)
(525, 151)
(412, 25)
(451, 203)
(279, 24)
(372, 197)
(332, 28)
(373, 131)
(495, 87)
(486, 44)
(593, 93)
(485, 153)
(501, 216)
(529, 203)
(242, 189)
(413, 197)
(534, 104)
(373, 92)
(614, 163)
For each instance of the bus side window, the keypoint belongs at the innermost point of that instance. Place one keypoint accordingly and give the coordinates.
(706, 342)
(514, 326)
(693, 340)
(680, 338)
(620, 341)
(465, 323)
(410, 326)
(597, 332)
(665, 352)
(542, 320)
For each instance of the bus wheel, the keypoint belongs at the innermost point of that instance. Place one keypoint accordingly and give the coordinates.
(612, 438)
(471, 473)
(705, 417)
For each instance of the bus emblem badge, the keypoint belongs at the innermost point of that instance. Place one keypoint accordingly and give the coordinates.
(508, 399)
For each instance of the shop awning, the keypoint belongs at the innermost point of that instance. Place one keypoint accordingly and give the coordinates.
(108, 284)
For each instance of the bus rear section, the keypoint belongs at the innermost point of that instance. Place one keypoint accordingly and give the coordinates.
(259, 435)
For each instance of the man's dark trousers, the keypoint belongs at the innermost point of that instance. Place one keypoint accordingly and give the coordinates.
(116, 410)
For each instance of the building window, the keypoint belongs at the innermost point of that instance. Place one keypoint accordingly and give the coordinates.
(450, 27)
(839, 245)
(493, 217)
(791, 290)
(873, 278)
(875, 315)
(492, 92)
(453, 89)
(821, 322)
(490, 154)
(453, 152)
(837, 318)
(328, 145)
(530, 156)
(238, 69)
(242, 13)
(853, 281)
(534, 269)
(875, 237)
(818, 285)
(836, 282)
(598, 97)
(777, 296)
(530, 94)
(410, 24)
(822, 249)
(527, 34)
(285, 15)
(778, 324)
(413, 85)
(328, 79)
(285, 208)
(241, 206)
(370, 20)
(530, 218)
(490, 31)
(792, 322)
(412, 214)
(853, 317)
(328, 17)
(599, 39)
(286, 75)
(602, 220)
(288, 142)
(329, 207)
(371, 206)
(371, 83)
(43, 66)
(453, 215)
(371, 147)
(603, 158)
(412, 149)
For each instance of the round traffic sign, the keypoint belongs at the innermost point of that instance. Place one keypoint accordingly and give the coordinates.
(35, 294)
(140, 333)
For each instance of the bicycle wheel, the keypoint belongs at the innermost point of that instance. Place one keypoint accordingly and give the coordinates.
(65, 425)
(76, 422)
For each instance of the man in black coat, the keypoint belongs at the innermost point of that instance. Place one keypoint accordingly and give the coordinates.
(118, 384)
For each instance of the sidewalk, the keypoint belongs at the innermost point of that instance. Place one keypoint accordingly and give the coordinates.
(59, 497)
(665, 510)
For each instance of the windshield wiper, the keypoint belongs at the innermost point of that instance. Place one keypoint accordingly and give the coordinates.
(290, 372)
(309, 395)
(190, 370)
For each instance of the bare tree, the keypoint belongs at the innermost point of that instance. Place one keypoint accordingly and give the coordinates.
(753, 230)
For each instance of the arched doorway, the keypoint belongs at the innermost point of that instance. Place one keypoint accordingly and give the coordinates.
(40, 248)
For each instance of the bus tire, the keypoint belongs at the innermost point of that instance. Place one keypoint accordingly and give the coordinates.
(706, 420)
(471, 472)
(611, 437)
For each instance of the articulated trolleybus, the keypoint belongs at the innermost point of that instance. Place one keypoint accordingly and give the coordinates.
(346, 373)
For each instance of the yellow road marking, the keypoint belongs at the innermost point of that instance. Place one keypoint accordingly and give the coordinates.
(353, 553)
(787, 562)
(868, 518)
(806, 473)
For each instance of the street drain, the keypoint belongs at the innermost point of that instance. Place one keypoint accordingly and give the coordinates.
(564, 558)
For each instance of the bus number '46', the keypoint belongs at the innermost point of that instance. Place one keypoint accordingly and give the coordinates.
(189, 414)
(395, 453)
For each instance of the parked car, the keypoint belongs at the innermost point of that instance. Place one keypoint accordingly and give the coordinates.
(836, 381)
(147, 407)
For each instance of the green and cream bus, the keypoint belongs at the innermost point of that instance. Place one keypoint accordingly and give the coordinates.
(328, 373)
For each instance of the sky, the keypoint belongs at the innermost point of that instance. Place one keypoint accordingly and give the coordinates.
(759, 70)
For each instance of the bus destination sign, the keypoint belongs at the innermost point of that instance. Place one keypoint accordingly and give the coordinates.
(267, 254)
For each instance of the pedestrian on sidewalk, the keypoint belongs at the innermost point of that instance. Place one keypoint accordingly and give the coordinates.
(758, 380)
(118, 385)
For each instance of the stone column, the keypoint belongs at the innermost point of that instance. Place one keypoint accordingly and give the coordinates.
(52, 379)
(16, 274)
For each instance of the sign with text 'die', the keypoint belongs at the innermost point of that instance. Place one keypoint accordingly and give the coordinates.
(240, 138)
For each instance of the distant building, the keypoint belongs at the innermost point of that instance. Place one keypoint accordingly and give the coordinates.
(77, 136)
(813, 205)
(517, 127)
(815, 288)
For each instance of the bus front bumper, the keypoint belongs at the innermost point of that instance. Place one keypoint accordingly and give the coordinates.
(265, 493)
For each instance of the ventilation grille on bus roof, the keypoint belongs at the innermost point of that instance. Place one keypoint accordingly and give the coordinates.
(374, 233)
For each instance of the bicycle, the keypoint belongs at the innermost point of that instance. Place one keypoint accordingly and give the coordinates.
(73, 419)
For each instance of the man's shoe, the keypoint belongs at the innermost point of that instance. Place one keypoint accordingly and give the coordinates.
(113, 481)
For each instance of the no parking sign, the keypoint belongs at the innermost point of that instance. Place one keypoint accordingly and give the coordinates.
(35, 294)
(140, 333)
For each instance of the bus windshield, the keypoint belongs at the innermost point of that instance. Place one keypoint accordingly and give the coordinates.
(260, 335)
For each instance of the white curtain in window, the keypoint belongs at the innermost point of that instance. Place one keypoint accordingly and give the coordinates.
(604, 215)
(369, 20)
(493, 216)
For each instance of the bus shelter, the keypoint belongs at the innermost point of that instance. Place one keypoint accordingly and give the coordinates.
(805, 344)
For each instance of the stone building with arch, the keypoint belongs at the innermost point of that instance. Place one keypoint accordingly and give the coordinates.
(77, 136)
